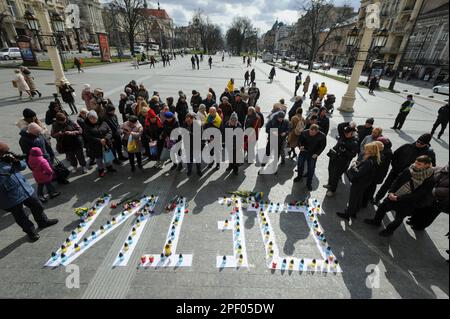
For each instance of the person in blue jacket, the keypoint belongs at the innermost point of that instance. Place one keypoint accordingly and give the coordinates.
(15, 192)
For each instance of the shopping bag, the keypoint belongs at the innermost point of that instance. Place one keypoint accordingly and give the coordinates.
(108, 156)
(61, 172)
(132, 146)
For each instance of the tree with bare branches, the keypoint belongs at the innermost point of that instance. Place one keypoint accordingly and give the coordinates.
(130, 12)
(210, 34)
(319, 16)
(240, 34)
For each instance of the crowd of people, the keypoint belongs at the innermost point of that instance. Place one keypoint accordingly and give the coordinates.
(406, 178)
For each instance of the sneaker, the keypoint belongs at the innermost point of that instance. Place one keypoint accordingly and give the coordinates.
(43, 198)
(393, 128)
(372, 222)
(48, 223)
(101, 173)
(330, 194)
(55, 194)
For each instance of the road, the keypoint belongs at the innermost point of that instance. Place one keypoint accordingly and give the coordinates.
(408, 265)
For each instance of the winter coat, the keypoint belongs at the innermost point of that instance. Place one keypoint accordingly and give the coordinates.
(443, 114)
(322, 91)
(196, 100)
(363, 132)
(281, 127)
(367, 140)
(86, 96)
(241, 108)
(346, 149)
(230, 86)
(237, 144)
(182, 109)
(30, 81)
(440, 192)
(143, 93)
(66, 91)
(113, 123)
(324, 124)
(422, 196)
(168, 127)
(272, 73)
(94, 134)
(407, 154)
(227, 110)
(294, 108)
(306, 86)
(42, 171)
(297, 125)
(50, 115)
(313, 144)
(208, 104)
(27, 141)
(365, 174)
(21, 83)
(14, 188)
(68, 136)
(135, 132)
(228, 95)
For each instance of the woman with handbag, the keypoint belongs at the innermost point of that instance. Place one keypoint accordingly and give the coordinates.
(69, 141)
(131, 139)
(361, 176)
(99, 139)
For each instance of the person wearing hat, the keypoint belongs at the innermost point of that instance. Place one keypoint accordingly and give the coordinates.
(412, 189)
(230, 85)
(403, 157)
(123, 98)
(196, 100)
(297, 104)
(29, 116)
(201, 114)
(340, 156)
(226, 93)
(15, 192)
(343, 125)
(323, 120)
(441, 120)
(225, 108)
(30, 137)
(253, 77)
(69, 141)
(189, 125)
(280, 124)
(131, 139)
(403, 113)
(298, 82)
(323, 90)
(99, 139)
(67, 94)
(133, 86)
(113, 122)
(152, 132)
(365, 130)
(182, 108)
(50, 115)
(382, 170)
(254, 94)
(312, 143)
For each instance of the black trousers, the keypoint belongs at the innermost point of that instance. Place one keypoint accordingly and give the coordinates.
(336, 169)
(355, 200)
(369, 193)
(400, 213)
(436, 125)
(400, 120)
(131, 157)
(197, 165)
(424, 216)
(21, 217)
(386, 185)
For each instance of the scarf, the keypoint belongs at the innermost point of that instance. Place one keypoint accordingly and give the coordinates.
(214, 120)
(417, 179)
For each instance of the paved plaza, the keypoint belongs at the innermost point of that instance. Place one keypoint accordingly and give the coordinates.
(410, 264)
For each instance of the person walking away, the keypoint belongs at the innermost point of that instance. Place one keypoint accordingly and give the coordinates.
(201, 57)
(249, 62)
(78, 62)
(298, 82)
(361, 175)
(411, 190)
(43, 174)
(340, 156)
(20, 83)
(210, 62)
(306, 85)
(442, 120)
(373, 83)
(296, 127)
(69, 141)
(113, 122)
(323, 90)
(314, 96)
(15, 192)
(131, 139)
(233, 124)
(67, 94)
(424, 216)
(386, 153)
(403, 157)
(272, 74)
(246, 78)
(99, 138)
(253, 77)
(312, 143)
(193, 62)
(403, 113)
(30, 81)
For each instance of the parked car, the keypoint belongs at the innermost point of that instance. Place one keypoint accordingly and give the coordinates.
(347, 71)
(95, 52)
(326, 66)
(10, 53)
(139, 49)
(92, 47)
(317, 66)
(441, 88)
(267, 57)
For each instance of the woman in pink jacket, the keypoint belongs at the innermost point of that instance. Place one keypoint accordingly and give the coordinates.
(43, 174)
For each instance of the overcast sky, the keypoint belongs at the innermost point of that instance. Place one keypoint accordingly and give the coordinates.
(262, 13)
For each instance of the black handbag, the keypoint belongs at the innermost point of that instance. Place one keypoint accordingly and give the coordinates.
(352, 173)
(61, 172)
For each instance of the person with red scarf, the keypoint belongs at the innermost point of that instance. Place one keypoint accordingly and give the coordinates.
(153, 129)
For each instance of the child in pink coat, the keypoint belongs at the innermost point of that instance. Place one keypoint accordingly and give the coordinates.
(43, 173)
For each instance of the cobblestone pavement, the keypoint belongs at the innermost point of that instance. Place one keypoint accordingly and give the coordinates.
(409, 265)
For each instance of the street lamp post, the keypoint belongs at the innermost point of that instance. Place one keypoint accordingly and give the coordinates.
(372, 22)
(42, 19)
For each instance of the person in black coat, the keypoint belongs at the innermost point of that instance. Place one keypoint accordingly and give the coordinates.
(341, 127)
(240, 107)
(99, 137)
(182, 108)
(122, 104)
(362, 175)
(30, 137)
(412, 189)
(252, 76)
(196, 100)
(323, 121)
(297, 105)
(382, 170)
(365, 130)
(341, 156)
(403, 157)
(247, 78)
(189, 125)
(226, 93)
(67, 92)
(272, 74)
(312, 143)
(253, 94)
(113, 122)
(53, 109)
(234, 124)
(209, 101)
(281, 126)
(442, 120)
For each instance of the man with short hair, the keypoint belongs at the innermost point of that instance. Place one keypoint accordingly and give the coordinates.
(411, 189)
(365, 130)
(312, 143)
(209, 101)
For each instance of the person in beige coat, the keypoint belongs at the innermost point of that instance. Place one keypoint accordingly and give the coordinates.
(20, 83)
(296, 127)
(306, 85)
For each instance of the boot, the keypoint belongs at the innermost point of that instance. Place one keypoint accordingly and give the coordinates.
(33, 235)
(111, 169)
(48, 223)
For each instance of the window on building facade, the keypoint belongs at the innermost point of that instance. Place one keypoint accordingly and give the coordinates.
(12, 8)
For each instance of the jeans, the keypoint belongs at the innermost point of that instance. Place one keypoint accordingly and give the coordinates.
(21, 217)
(50, 189)
(306, 157)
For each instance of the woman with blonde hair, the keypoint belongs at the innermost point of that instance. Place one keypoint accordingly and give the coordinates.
(361, 176)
